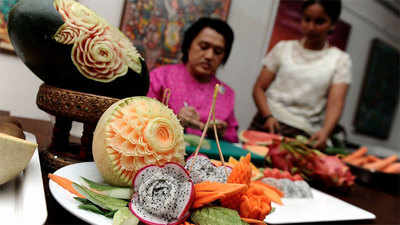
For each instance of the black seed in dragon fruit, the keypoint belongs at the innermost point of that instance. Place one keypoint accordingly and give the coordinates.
(163, 195)
(204, 170)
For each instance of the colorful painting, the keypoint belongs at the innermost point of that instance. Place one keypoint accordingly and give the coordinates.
(287, 26)
(5, 7)
(156, 27)
(379, 96)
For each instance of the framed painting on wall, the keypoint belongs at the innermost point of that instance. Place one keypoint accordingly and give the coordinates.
(5, 7)
(392, 5)
(377, 104)
(156, 27)
(287, 26)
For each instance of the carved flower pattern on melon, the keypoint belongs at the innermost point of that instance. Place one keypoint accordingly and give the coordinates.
(140, 131)
(98, 58)
(100, 51)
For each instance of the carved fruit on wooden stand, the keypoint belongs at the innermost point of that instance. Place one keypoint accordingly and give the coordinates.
(69, 46)
(86, 64)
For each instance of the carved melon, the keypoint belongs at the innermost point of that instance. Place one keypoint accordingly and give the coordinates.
(133, 133)
(67, 45)
(15, 156)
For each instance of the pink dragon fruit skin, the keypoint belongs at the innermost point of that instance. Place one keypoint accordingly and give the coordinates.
(313, 164)
(163, 194)
(280, 158)
(331, 170)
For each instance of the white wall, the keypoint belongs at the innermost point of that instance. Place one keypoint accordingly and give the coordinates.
(18, 88)
(369, 20)
(252, 21)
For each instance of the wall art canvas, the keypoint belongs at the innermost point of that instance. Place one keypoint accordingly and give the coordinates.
(287, 26)
(5, 7)
(156, 27)
(379, 96)
(392, 5)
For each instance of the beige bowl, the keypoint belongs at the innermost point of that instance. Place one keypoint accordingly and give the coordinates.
(15, 154)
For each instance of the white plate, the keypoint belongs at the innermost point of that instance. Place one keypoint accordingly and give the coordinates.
(66, 199)
(321, 208)
(22, 200)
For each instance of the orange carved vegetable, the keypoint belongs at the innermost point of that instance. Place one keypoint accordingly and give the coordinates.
(381, 163)
(65, 183)
(241, 174)
(207, 192)
(392, 168)
(253, 221)
(356, 154)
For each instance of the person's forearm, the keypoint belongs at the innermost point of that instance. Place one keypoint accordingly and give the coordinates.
(261, 101)
(262, 84)
(334, 107)
(332, 117)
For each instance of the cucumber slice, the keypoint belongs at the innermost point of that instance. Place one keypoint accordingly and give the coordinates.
(125, 217)
(103, 201)
(112, 191)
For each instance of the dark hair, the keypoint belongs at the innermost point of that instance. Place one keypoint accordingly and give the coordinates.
(218, 25)
(331, 7)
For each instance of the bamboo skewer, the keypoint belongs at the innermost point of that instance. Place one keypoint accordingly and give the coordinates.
(212, 112)
(166, 95)
(221, 156)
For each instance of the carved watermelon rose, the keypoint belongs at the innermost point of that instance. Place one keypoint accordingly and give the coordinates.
(100, 52)
(98, 58)
(78, 16)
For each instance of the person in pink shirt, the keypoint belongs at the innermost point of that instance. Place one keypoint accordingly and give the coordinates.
(206, 45)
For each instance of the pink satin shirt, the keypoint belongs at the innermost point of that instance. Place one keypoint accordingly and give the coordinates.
(186, 89)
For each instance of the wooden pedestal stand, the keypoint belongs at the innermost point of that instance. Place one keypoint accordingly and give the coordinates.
(68, 106)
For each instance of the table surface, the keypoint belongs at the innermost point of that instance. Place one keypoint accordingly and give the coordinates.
(385, 206)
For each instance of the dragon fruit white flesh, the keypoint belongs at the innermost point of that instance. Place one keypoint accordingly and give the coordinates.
(163, 195)
(204, 170)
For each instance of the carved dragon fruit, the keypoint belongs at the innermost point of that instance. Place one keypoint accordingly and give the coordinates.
(204, 170)
(330, 169)
(296, 157)
(163, 195)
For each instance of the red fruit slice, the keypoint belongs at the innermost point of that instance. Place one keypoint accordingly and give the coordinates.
(258, 137)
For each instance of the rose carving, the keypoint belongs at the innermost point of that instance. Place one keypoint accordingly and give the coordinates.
(66, 34)
(100, 51)
(98, 58)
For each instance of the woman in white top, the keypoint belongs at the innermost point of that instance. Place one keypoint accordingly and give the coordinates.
(303, 84)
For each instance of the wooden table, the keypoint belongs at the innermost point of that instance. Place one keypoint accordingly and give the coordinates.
(384, 205)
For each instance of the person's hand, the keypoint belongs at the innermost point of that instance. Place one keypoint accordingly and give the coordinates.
(319, 138)
(221, 127)
(272, 125)
(189, 117)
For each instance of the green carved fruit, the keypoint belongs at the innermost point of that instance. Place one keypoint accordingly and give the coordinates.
(69, 46)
